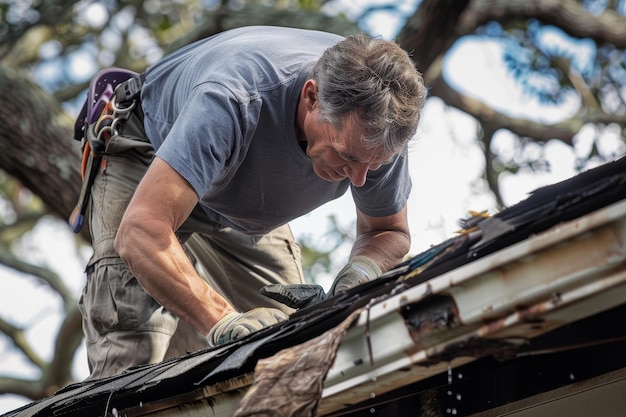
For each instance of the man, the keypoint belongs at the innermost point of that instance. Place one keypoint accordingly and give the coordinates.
(235, 136)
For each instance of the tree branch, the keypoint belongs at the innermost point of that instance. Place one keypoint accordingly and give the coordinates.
(18, 338)
(68, 340)
(432, 30)
(31, 389)
(568, 15)
(23, 224)
(46, 275)
(563, 131)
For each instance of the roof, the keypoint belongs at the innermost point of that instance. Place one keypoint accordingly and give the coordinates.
(501, 289)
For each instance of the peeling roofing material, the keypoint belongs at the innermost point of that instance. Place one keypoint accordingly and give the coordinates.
(545, 276)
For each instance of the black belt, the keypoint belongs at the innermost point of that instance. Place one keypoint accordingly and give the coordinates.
(130, 89)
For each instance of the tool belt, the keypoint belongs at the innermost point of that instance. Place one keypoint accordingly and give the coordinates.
(113, 94)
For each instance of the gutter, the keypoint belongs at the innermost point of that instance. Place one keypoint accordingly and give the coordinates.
(487, 307)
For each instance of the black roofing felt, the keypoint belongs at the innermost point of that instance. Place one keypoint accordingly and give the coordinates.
(544, 208)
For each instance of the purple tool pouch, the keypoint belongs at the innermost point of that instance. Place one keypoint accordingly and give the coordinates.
(101, 90)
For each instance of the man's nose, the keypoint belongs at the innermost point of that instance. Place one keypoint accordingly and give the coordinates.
(357, 172)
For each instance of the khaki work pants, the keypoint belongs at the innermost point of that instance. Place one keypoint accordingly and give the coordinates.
(123, 325)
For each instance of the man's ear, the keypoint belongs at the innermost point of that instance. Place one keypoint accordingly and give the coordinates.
(309, 92)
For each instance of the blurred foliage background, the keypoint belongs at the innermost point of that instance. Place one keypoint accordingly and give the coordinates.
(563, 54)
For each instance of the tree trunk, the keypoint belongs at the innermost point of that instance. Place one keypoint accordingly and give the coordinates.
(36, 143)
(431, 30)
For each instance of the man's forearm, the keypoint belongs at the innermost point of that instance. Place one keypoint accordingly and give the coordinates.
(386, 248)
(169, 277)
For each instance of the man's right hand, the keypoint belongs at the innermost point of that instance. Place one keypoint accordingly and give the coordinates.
(235, 325)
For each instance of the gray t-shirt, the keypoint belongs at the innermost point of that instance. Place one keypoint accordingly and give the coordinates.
(221, 112)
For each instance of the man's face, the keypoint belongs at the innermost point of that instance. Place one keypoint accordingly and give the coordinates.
(340, 154)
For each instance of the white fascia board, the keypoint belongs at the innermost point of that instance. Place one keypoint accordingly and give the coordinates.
(571, 271)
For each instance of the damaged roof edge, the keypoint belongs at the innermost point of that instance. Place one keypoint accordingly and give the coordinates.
(447, 321)
(505, 288)
(572, 270)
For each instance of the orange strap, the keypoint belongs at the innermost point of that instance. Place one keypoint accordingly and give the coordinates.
(86, 152)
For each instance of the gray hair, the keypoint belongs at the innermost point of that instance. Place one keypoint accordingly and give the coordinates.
(378, 81)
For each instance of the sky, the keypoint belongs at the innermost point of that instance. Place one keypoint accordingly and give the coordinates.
(446, 165)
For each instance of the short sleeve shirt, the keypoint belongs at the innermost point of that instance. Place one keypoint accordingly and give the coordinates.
(222, 111)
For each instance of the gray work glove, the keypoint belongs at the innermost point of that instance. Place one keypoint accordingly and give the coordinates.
(235, 325)
(359, 270)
